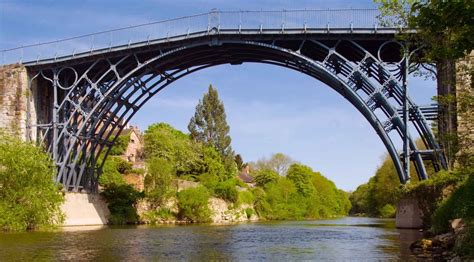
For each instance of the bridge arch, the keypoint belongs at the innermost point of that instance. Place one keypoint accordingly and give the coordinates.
(101, 96)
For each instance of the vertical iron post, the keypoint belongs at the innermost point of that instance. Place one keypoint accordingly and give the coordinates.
(406, 150)
(54, 147)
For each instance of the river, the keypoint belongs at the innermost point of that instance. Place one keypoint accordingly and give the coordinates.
(349, 238)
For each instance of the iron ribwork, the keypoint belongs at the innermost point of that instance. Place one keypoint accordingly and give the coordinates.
(96, 94)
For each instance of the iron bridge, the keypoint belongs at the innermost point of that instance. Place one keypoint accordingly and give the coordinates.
(95, 84)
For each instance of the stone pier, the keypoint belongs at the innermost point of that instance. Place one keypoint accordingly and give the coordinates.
(83, 209)
(14, 94)
(409, 215)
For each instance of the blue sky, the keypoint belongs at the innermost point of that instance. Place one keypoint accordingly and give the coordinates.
(269, 109)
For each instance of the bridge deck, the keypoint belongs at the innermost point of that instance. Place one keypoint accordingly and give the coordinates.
(320, 23)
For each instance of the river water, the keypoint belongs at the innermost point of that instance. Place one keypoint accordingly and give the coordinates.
(345, 239)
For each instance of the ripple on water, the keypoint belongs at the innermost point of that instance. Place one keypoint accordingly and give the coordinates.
(337, 239)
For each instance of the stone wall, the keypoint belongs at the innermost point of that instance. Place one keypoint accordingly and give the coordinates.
(14, 93)
(465, 105)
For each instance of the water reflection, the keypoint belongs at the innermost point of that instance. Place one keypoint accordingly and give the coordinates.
(340, 239)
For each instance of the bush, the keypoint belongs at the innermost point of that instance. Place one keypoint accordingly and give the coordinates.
(387, 211)
(120, 145)
(465, 244)
(265, 176)
(248, 212)
(113, 170)
(121, 201)
(430, 193)
(155, 216)
(193, 205)
(459, 205)
(29, 198)
(246, 197)
(158, 180)
(227, 190)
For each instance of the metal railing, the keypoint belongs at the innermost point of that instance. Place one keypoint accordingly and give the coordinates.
(205, 23)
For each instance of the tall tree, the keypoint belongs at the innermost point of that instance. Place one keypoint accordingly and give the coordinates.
(209, 124)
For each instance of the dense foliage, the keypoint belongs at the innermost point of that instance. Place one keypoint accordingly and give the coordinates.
(193, 205)
(296, 194)
(29, 198)
(121, 201)
(158, 180)
(379, 196)
(120, 145)
(301, 194)
(113, 170)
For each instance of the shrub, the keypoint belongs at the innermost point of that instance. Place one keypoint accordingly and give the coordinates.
(110, 174)
(120, 145)
(29, 198)
(246, 197)
(158, 180)
(248, 212)
(430, 193)
(265, 176)
(465, 244)
(387, 211)
(459, 205)
(121, 201)
(227, 191)
(155, 216)
(193, 204)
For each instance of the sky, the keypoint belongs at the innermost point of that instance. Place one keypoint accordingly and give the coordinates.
(269, 109)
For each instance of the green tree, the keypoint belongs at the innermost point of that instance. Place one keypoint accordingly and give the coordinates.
(158, 180)
(110, 172)
(122, 200)
(120, 145)
(209, 126)
(29, 198)
(166, 142)
(193, 204)
(265, 176)
(301, 176)
(381, 190)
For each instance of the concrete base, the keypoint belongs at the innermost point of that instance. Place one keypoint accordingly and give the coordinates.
(83, 209)
(409, 215)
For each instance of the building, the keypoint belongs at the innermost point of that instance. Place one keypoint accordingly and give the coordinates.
(245, 176)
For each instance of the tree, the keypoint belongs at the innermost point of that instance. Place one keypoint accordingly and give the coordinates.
(29, 197)
(301, 176)
(158, 180)
(382, 189)
(444, 32)
(278, 162)
(120, 145)
(240, 162)
(193, 204)
(265, 176)
(209, 124)
(164, 141)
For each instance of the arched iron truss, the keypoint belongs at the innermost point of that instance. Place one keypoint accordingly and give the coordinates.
(95, 97)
